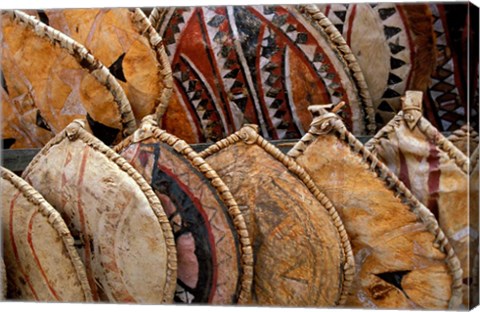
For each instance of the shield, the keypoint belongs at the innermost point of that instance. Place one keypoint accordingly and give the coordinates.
(51, 80)
(215, 260)
(402, 47)
(433, 169)
(124, 41)
(263, 65)
(40, 257)
(302, 253)
(123, 235)
(403, 259)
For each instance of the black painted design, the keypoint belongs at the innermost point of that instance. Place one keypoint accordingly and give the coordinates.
(105, 133)
(396, 63)
(391, 31)
(389, 93)
(384, 106)
(43, 17)
(7, 143)
(116, 69)
(341, 15)
(386, 13)
(393, 79)
(394, 278)
(395, 48)
(192, 222)
(40, 121)
(3, 82)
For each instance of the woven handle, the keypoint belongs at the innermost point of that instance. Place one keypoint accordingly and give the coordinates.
(87, 61)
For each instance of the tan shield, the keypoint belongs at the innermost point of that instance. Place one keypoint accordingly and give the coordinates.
(51, 80)
(123, 235)
(403, 259)
(433, 169)
(40, 258)
(302, 253)
(124, 41)
(215, 259)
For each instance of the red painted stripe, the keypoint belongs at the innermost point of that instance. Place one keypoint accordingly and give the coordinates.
(353, 13)
(81, 216)
(199, 207)
(35, 257)
(14, 247)
(327, 10)
(433, 179)
(404, 175)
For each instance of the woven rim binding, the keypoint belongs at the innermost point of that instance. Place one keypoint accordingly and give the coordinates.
(330, 122)
(249, 135)
(430, 132)
(200, 164)
(53, 218)
(156, 16)
(75, 131)
(85, 60)
(165, 70)
(337, 40)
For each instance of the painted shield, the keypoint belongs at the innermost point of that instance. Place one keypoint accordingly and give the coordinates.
(122, 233)
(392, 43)
(302, 253)
(50, 80)
(124, 41)
(215, 260)
(38, 249)
(403, 47)
(403, 259)
(433, 169)
(256, 64)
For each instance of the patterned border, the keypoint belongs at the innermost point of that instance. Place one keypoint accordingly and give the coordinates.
(53, 218)
(337, 40)
(330, 122)
(432, 134)
(86, 61)
(249, 135)
(148, 129)
(165, 70)
(75, 131)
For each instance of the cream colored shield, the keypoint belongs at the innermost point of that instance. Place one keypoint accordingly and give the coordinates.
(123, 235)
(40, 257)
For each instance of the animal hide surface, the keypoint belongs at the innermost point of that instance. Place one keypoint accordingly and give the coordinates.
(435, 171)
(49, 81)
(263, 65)
(119, 39)
(215, 260)
(402, 258)
(302, 253)
(123, 236)
(41, 261)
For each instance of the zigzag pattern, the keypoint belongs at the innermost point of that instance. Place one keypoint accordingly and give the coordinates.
(200, 99)
(443, 90)
(177, 23)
